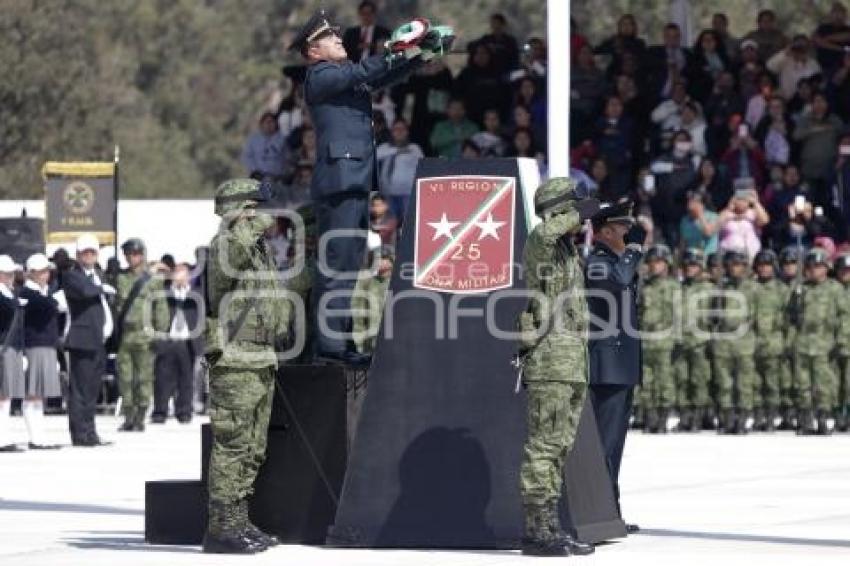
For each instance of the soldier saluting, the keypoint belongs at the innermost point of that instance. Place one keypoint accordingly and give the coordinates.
(553, 350)
(338, 95)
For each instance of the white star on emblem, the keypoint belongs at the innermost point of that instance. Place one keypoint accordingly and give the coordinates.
(489, 227)
(443, 227)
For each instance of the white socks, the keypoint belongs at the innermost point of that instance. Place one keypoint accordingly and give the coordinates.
(33, 411)
(5, 418)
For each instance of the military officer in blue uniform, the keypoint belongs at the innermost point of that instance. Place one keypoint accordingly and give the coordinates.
(338, 95)
(614, 346)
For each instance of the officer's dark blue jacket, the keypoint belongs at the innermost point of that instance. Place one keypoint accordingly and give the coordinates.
(614, 359)
(339, 98)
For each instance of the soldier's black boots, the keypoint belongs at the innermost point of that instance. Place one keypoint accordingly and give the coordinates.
(826, 424)
(806, 423)
(139, 421)
(651, 422)
(727, 422)
(127, 426)
(538, 539)
(573, 546)
(686, 420)
(696, 420)
(226, 533)
(544, 535)
(252, 530)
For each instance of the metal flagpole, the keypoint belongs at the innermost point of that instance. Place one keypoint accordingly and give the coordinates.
(115, 192)
(558, 75)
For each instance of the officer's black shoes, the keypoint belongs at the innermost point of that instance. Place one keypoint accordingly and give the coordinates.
(157, 419)
(632, 528)
(90, 442)
(10, 448)
(227, 532)
(34, 446)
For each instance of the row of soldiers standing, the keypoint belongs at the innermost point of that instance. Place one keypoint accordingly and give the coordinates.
(744, 351)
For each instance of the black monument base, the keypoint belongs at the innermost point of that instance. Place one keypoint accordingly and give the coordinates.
(297, 489)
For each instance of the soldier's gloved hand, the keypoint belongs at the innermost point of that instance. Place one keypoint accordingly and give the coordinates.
(261, 222)
(635, 235)
(587, 208)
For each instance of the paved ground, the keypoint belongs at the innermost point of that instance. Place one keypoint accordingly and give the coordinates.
(701, 499)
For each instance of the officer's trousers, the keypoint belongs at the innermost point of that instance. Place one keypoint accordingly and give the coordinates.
(341, 255)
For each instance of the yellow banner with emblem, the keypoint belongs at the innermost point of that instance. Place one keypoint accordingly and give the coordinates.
(79, 198)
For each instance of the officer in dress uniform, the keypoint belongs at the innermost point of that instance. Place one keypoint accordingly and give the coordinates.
(614, 349)
(338, 95)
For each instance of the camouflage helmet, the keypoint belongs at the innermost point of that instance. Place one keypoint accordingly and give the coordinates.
(694, 256)
(790, 254)
(555, 195)
(818, 256)
(843, 261)
(236, 194)
(659, 251)
(735, 256)
(766, 256)
(133, 245)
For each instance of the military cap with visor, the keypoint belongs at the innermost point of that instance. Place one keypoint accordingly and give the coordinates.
(318, 26)
(619, 212)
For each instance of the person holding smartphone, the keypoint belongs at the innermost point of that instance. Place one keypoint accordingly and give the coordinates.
(742, 220)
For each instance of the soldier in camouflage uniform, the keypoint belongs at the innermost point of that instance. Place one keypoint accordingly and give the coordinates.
(249, 312)
(553, 350)
(842, 394)
(790, 262)
(734, 345)
(820, 326)
(693, 370)
(714, 266)
(138, 293)
(770, 324)
(658, 311)
(367, 303)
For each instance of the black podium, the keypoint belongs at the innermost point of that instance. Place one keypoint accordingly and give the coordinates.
(298, 486)
(436, 459)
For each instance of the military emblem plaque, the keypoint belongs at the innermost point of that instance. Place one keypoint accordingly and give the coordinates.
(464, 237)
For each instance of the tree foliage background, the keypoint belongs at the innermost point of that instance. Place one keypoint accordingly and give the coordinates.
(178, 84)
